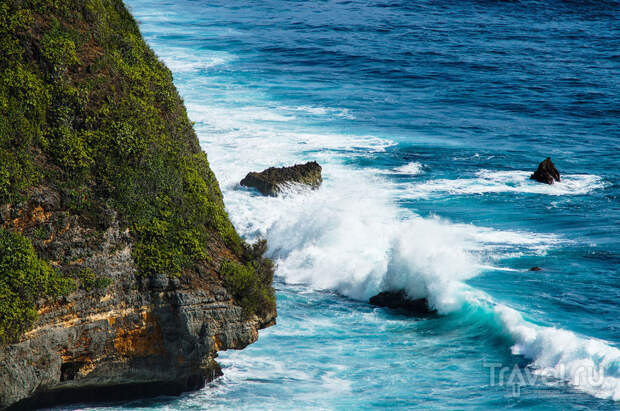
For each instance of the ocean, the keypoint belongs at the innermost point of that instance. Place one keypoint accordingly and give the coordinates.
(428, 118)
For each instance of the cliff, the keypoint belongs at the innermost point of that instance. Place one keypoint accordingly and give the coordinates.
(120, 272)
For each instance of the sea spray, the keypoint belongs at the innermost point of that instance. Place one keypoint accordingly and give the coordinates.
(414, 168)
(350, 237)
(355, 235)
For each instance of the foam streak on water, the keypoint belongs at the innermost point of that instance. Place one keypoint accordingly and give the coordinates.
(486, 181)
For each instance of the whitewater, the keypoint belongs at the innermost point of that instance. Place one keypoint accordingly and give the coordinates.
(350, 236)
(423, 190)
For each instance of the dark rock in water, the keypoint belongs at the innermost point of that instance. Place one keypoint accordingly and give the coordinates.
(535, 269)
(546, 172)
(399, 299)
(271, 181)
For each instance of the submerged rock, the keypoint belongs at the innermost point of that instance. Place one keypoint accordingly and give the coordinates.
(399, 299)
(535, 269)
(546, 172)
(271, 181)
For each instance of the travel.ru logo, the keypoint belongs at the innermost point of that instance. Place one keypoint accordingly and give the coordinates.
(514, 378)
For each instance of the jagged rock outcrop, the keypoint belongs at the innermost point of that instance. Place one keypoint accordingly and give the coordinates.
(546, 172)
(399, 299)
(271, 181)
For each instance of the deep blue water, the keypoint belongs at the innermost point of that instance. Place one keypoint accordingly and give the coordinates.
(428, 118)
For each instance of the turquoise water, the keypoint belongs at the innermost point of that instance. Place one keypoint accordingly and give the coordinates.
(428, 118)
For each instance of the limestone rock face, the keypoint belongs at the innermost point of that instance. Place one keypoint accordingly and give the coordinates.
(546, 172)
(399, 299)
(271, 181)
(136, 337)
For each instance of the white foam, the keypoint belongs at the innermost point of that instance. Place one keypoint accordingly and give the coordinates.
(237, 120)
(351, 237)
(589, 365)
(321, 111)
(179, 60)
(414, 168)
(487, 181)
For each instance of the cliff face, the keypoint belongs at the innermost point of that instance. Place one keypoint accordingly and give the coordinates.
(138, 336)
(120, 272)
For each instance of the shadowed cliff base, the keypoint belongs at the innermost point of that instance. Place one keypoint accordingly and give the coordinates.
(108, 395)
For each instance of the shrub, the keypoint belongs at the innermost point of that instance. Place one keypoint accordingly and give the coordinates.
(251, 284)
(101, 109)
(24, 279)
(89, 280)
(88, 109)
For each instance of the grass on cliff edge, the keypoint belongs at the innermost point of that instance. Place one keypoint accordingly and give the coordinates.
(87, 108)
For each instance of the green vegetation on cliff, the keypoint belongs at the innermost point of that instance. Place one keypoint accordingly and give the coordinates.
(250, 283)
(24, 278)
(87, 109)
